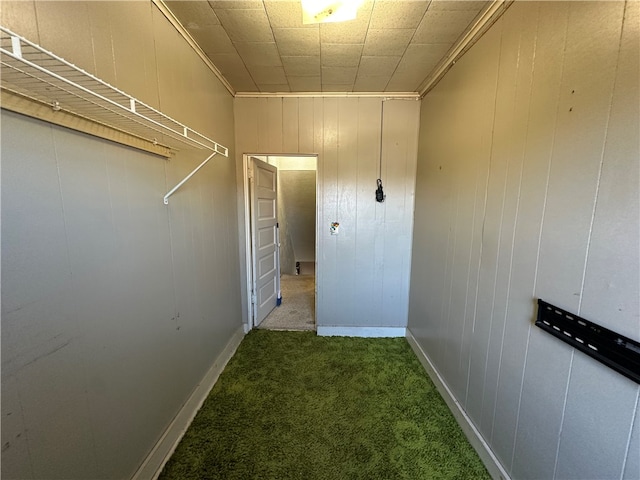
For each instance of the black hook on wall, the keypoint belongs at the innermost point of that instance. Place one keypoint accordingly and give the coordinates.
(379, 193)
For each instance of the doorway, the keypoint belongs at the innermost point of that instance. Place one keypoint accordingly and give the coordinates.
(294, 306)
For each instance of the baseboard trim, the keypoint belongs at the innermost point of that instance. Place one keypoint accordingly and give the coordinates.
(495, 468)
(164, 448)
(367, 332)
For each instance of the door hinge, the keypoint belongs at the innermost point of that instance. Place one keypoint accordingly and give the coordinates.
(253, 298)
(250, 173)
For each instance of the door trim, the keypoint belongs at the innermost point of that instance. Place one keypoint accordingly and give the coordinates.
(246, 163)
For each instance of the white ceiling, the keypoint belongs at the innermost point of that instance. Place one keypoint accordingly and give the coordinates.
(262, 45)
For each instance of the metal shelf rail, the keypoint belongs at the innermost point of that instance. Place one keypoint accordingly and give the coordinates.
(31, 71)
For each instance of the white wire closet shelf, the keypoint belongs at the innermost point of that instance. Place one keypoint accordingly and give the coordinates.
(31, 71)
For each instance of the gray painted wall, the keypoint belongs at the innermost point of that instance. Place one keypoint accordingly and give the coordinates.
(298, 190)
(528, 187)
(362, 274)
(114, 306)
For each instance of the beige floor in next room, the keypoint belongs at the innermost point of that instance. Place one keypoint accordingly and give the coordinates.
(297, 310)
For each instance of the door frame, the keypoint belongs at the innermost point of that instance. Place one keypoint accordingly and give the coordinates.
(246, 163)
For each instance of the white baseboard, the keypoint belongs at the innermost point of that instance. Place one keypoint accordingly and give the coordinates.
(372, 332)
(495, 468)
(164, 448)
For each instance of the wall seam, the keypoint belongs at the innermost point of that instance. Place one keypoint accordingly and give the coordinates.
(484, 212)
(544, 208)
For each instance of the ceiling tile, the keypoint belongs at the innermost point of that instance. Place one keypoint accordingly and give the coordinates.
(340, 87)
(259, 54)
(370, 84)
(407, 81)
(305, 84)
(213, 40)
(267, 75)
(443, 26)
(236, 4)
(262, 45)
(397, 14)
(338, 75)
(246, 25)
(378, 66)
(353, 31)
(241, 82)
(193, 15)
(297, 41)
(421, 56)
(228, 62)
(286, 14)
(387, 41)
(458, 5)
(340, 55)
(301, 66)
(274, 88)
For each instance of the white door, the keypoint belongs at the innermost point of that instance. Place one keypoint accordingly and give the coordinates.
(264, 221)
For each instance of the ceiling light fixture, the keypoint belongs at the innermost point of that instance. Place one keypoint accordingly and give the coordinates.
(326, 11)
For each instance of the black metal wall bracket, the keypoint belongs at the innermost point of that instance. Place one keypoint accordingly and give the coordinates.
(608, 347)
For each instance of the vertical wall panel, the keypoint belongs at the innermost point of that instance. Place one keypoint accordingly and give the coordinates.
(346, 209)
(368, 161)
(543, 106)
(362, 276)
(328, 212)
(305, 128)
(554, 227)
(109, 297)
(609, 270)
(290, 118)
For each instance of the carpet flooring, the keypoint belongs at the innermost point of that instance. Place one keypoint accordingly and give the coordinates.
(292, 405)
(297, 311)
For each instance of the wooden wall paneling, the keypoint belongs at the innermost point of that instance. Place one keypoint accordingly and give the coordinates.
(20, 17)
(274, 124)
(102, 43)
(614, 242)
(539, 138)
(305, 127)
(491, 228)
(262, 113)
(521, 37)
(476, 117)
(347, 212)
(632, 464)
(139, 47)
(318, 125)
(172, 65)
(246, 122)
(367, 161)
(398, 143)
(573, 178)
(585, 373)
(290, 125)
(55, 21)
(328, 310)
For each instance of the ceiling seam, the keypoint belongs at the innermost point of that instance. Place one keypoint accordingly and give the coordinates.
(164, 9)
(407, 47)
(486, 19)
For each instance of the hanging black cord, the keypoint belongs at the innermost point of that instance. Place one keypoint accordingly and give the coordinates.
(379, 193)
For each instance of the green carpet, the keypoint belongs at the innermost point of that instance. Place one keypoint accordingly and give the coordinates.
(292, 405)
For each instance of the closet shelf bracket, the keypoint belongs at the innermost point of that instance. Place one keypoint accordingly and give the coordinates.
(184, 180)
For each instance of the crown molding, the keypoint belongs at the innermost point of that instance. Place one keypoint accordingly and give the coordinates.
(490, 15)
(192, 43)
(383, 95)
